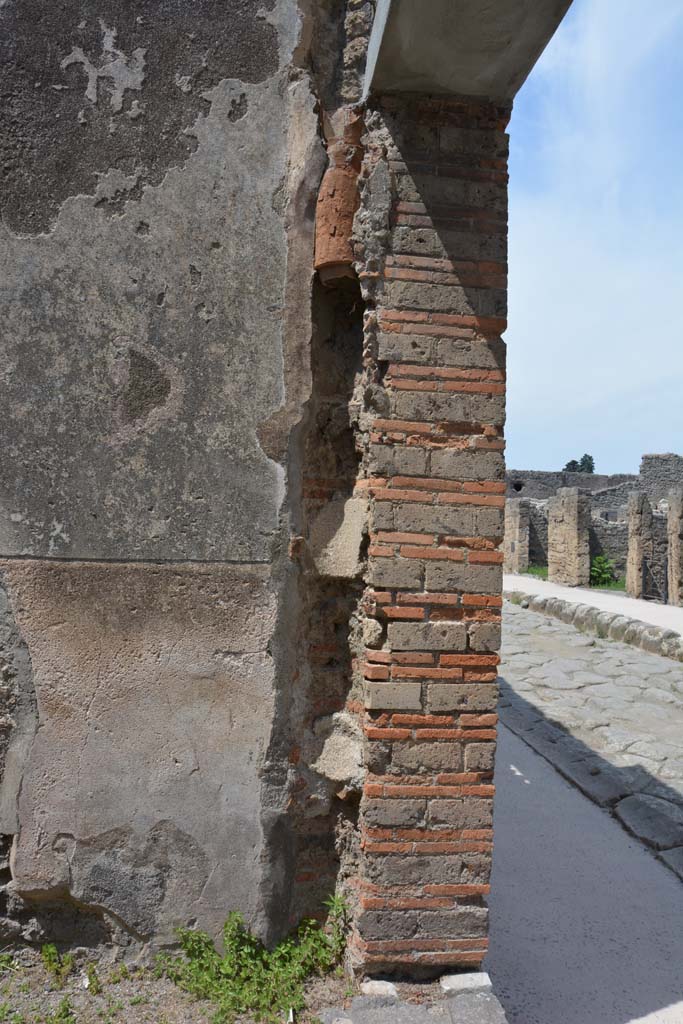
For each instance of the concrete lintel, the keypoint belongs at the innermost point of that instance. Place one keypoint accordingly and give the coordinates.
(465, 47)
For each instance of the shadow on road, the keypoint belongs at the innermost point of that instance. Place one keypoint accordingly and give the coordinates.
(586, 925)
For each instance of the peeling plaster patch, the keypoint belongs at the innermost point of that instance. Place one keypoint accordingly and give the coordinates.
(184, 82)
(148, 390)
(114, 184)
(289, 26)
(147, 387)
(58, 536)
(238, 108)
(123, 72)
(20, 715)
(77, 300)
(55, 143)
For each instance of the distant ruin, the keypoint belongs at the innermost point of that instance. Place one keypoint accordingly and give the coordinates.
(565, 520)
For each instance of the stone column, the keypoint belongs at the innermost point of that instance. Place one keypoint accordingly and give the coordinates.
(568, 537)
(516, 543)
(639, 542)
(432, 243)
(675, 546)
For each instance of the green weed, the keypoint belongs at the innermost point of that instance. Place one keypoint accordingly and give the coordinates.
(248, 978)
(7, 963)
(118, 974)
(540, 571)
(57, 966)
(94, 983)
(63, 1014)
(602, 571)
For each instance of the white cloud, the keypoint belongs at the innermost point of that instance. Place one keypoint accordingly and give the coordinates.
(596, 257)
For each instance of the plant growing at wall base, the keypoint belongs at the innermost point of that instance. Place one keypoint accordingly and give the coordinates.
(57, 966)
(248, 977)
(602, 571)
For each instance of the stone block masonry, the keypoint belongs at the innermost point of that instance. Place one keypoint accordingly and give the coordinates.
(516, 545)
(646, 567)
(568, 538)
(675, 547)
(431, 246)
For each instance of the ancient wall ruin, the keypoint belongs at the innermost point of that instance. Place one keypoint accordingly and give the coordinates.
(568, 538)
(659, 474)
(646, 569)
(675, 547)
(541, 485)
(610, 539)
(516, 540)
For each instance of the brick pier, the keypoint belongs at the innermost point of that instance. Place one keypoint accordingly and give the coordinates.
(432, 252)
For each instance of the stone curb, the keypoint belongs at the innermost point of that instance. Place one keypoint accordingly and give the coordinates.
(605, 625)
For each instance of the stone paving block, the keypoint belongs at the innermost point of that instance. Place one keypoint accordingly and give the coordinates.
(657, 822)
(467, 1007)
(373, 1010)
(474, 981)
(476, 1008)
(674, 859)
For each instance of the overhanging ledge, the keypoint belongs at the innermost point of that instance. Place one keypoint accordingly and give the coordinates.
(480, 48)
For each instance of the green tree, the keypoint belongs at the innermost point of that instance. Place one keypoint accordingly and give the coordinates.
(586, 464)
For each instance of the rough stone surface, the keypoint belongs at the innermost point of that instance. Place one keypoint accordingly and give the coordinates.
(608, 717)
(675, 547)
(456, 983)
(568, 538)
(375, 987)
(467, 1007)
(646, 566)
(516, 543)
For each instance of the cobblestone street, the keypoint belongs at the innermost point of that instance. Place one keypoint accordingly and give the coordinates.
(607, 715)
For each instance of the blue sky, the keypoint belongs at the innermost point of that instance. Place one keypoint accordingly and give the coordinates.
(595, 336)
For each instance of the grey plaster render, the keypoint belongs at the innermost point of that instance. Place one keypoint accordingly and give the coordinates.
(140, 793)
(131, 330)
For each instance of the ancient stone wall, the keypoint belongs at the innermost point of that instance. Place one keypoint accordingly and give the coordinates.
(675, 546)
(516, 542)
(432, 251)
(568, 538)
(538, 532)
(610, 539)
(659, 474)
(538, 484)
(612, 501)
(646, 570)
